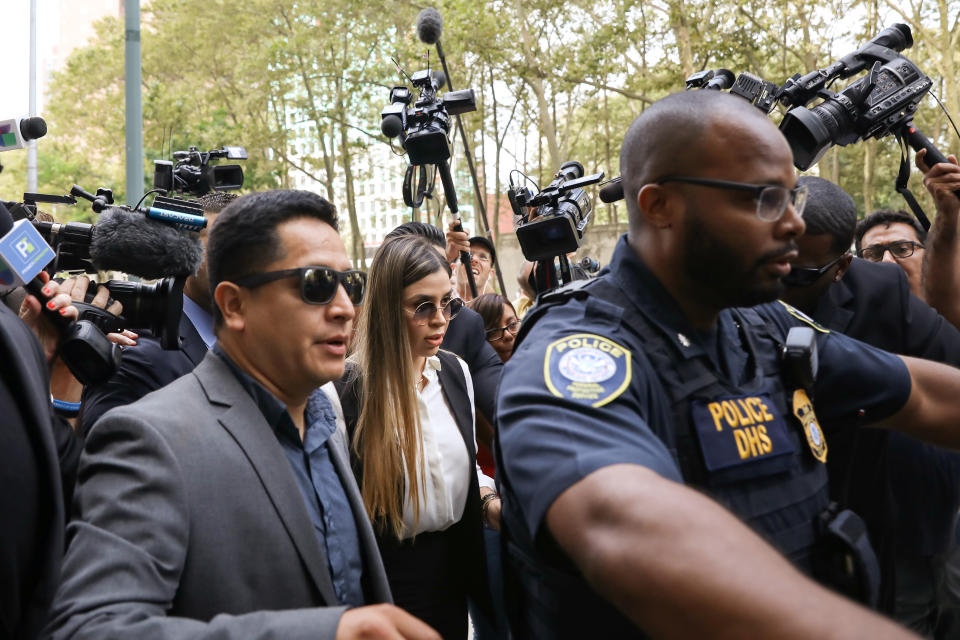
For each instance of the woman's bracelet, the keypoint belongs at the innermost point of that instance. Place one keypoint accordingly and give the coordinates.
(485, 503)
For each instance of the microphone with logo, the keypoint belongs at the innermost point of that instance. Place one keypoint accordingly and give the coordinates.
(86, 351)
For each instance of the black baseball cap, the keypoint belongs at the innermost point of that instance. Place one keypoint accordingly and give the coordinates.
(485, 242)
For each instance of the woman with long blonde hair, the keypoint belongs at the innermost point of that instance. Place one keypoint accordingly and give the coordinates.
(409, 412)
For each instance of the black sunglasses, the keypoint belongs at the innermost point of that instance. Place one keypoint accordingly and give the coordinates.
(318, 285)
(425, 311)
(806, 276)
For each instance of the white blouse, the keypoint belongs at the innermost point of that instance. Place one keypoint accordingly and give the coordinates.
(443, 497)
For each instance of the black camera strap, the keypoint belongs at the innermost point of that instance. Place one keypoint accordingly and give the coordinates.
(901, 186)
(413, 193)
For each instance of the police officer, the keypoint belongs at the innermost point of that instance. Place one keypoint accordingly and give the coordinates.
(647, 425)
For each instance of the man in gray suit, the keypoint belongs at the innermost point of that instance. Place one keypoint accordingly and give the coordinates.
(223, 505)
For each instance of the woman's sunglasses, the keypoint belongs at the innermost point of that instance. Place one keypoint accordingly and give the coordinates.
(425, 311)
(318, 285)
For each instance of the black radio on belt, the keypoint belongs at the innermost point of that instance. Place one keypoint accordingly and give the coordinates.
(799, 357)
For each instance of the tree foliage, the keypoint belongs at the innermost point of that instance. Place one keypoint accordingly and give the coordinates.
(300, 84)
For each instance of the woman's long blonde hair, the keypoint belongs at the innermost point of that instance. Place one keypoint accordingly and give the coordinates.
(387, 439)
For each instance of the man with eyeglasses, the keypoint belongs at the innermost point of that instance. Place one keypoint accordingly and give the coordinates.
(906, 491)
(647, 424)
(223, 505)
(894, 237)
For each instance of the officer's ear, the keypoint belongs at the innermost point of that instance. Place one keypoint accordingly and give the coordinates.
(657, 205)
(842, 266)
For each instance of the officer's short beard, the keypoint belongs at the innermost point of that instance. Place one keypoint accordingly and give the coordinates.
(719, 271)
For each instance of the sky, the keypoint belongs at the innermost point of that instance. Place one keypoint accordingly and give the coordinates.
(15, 51)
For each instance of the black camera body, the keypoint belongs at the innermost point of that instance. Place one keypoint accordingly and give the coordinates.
(153, 307)
(559, 213)
(423, 127)
(876, 105)
(193, 173)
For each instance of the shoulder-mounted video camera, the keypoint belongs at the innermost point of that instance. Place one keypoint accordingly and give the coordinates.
(193, 172)
(423, 129)
(551, 222)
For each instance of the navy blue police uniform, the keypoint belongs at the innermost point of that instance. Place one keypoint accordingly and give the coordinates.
(608, 372)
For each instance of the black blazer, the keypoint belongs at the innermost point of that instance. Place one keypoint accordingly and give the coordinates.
(467, 338)
(470, 528)
(143, 369)
(873, 303)
(25, 375)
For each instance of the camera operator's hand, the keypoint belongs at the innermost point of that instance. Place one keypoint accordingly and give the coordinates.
(941, 258)
(77, 287)
(457, 241)
(31, 314)
(63, 385)
(941, 180)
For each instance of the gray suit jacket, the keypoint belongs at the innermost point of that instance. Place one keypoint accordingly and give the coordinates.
(189, 524)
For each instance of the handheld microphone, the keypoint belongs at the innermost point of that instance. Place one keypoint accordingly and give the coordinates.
(89, 355)
(612, 191)
(429, 25)
(17, 132)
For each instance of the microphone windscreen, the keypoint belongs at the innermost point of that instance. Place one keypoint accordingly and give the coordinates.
(391, 126)
(429, 25)
(130, 242)
(612, 191)
(440, 79)
(33, 128)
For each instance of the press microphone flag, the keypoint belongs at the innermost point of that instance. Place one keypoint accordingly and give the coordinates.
(23, 252)
(16, 132)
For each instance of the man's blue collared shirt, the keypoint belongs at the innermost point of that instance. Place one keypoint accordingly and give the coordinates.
(201, 320)
(317, 479)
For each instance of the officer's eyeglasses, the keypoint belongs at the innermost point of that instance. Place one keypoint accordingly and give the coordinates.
(899, 249)
(425, 311)
(318, 285)
(497, 333)
(806, 276)
(772, 199)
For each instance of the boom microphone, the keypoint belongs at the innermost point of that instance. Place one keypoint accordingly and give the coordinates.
(130, 242)
(429, 25)
(612, 191)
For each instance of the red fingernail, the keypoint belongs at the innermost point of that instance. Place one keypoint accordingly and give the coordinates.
(63, 312)
(46, 291)
(51, 305)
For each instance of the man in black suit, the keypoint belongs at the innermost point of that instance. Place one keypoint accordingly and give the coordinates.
(148, 366)
(905, 490)
(38, 460)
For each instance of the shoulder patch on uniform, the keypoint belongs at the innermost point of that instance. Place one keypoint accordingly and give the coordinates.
(804, 318)
(588, 368)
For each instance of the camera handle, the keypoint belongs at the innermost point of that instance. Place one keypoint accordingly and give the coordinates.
(450, 193)
(908, 132)
(82, 346)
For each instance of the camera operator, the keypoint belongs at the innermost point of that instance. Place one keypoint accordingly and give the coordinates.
(632, 466)
(906, 491)
(148, 366)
